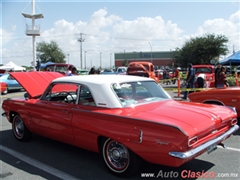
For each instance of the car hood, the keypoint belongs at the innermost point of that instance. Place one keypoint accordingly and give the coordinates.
(188, 116)
(35, 82)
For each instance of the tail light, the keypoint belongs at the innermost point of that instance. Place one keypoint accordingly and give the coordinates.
(234, 121)
(192, 141)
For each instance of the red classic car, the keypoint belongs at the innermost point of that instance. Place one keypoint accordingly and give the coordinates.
(3, 88)
(58, 67)
(125, 118)
(221, 96)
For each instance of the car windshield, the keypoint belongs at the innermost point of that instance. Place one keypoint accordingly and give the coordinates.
(134, 93)
(203, 70)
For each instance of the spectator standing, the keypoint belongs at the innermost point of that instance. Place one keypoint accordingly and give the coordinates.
(190, 79)
(92, 71)
(175, 76)
(73, 72)
(222, 78)
(69, 71)
(217, 71)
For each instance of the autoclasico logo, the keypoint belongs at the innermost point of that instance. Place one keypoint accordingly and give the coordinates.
(186, 174)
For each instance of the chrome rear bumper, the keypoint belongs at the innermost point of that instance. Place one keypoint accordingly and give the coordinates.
(195, 151)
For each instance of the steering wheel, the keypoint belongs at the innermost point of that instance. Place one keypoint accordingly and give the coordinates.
(69, 98)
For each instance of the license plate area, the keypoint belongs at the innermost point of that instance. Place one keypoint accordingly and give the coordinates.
(211, 148)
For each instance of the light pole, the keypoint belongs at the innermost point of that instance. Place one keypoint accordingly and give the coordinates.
(81, 40)
(134, 54)
(110, 60)
(151, 50)
(85, 59)
(100, 60)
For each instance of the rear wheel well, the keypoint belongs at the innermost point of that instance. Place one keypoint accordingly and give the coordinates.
(99, 141)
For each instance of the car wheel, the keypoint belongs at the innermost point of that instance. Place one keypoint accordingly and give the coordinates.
(20, 131)
(119, 159)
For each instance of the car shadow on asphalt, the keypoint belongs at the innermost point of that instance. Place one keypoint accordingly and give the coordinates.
(237, 133)
(81, 163)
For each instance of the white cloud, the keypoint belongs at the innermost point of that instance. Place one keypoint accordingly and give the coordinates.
(230, 28)
(110, 33)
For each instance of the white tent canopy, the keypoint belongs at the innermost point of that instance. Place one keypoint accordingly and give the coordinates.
(12, 66)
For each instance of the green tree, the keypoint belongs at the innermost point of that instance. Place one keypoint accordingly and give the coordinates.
(201, 50)
(50, 52)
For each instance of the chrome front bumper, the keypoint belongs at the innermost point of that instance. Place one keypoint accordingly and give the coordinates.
(195, 151)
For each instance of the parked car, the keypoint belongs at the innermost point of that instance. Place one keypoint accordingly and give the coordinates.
(229, 96)
(120, 70)
(82, 71)
(58, 67)
(3, 88)
(125, 118)
(144, 69)
(12, 84)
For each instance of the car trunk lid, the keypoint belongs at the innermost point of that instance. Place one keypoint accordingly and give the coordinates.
(191, 117)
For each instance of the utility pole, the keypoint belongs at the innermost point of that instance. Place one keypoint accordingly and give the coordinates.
(100, 60)
(81, 40)
(85, 62)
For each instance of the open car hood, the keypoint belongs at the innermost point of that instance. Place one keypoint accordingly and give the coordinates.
(35, 82)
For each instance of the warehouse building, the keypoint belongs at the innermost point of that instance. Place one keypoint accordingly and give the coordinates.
(160, 58)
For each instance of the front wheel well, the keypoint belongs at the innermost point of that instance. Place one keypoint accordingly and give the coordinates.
(12, 114)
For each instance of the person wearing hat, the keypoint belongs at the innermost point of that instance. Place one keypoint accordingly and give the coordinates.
(217, 72)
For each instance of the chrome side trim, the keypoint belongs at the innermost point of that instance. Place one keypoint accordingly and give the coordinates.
(193, 152)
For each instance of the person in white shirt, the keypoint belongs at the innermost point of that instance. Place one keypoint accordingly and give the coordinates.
(201, 78)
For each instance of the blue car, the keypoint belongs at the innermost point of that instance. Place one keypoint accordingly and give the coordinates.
(12, 84)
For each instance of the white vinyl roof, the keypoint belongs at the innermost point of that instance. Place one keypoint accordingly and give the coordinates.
(101, 79)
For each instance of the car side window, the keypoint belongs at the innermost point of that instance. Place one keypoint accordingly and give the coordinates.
(62, 92)
(85, 97)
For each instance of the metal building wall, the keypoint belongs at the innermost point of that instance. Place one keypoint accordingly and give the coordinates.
(160, 58)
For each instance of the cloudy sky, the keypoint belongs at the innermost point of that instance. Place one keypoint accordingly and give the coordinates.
(110, 27)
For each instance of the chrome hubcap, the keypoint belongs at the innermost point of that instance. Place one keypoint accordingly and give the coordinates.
(117, 155)
(19, 127)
